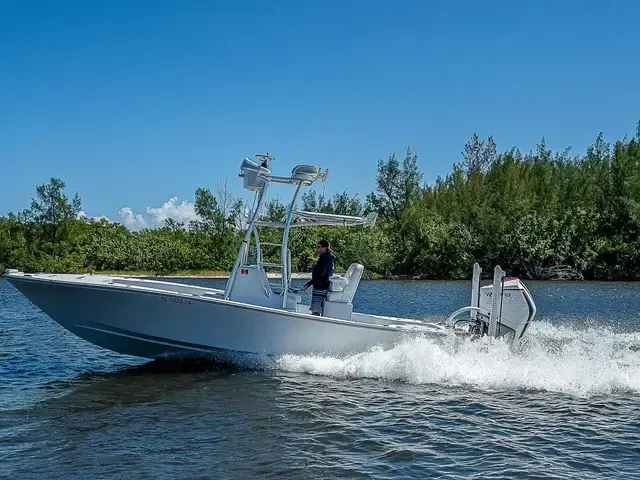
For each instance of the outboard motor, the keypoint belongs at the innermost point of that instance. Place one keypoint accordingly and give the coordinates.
(515, 308)
(504, 308)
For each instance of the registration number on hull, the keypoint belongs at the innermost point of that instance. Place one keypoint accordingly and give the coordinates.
(177, 300)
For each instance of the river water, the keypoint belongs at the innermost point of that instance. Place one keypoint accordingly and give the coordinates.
(564, 405)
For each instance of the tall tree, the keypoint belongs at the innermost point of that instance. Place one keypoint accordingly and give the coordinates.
(53, 210)
(206, 205)
(396, 185)
(478, 155)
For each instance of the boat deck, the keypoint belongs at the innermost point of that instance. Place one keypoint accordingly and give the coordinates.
(139, 283)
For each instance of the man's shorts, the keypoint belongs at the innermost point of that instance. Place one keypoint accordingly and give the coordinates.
(318, 298)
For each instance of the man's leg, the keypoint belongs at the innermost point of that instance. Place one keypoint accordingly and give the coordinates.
(317, 301)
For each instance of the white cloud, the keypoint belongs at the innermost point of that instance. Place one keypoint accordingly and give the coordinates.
(155, 216)
(83, 216)
(132, 220)
(182, 212)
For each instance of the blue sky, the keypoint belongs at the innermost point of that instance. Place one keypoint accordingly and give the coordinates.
(133, 103)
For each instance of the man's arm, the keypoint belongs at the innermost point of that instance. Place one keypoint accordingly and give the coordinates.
(309, 283)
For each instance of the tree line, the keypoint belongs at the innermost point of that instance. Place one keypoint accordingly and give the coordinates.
(540, 215)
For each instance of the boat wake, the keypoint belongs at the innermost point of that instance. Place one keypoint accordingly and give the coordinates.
(588, 362)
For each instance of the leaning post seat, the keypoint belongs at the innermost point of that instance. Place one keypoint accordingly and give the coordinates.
(307, 173)
(341, 292)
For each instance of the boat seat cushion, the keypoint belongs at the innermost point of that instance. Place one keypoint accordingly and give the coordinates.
(337, 283)
(343, 289)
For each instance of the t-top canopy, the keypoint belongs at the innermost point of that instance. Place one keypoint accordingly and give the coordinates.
(301, 218)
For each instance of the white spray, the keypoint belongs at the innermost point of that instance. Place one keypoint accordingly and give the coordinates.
(595, 361)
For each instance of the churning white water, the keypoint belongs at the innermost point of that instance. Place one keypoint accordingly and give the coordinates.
(593, 361)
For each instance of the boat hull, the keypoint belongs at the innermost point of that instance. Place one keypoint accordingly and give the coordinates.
(155, 324)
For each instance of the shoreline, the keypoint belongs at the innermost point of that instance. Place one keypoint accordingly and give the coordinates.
(306, 276)
(221, 275)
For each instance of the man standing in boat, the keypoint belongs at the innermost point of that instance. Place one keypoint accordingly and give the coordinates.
(320, 277)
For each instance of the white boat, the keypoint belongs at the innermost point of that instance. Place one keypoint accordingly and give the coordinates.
(252, 318)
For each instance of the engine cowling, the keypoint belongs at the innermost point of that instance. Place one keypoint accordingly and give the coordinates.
(516, 308)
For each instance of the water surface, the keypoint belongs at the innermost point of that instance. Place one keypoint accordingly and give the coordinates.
(564, 405)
